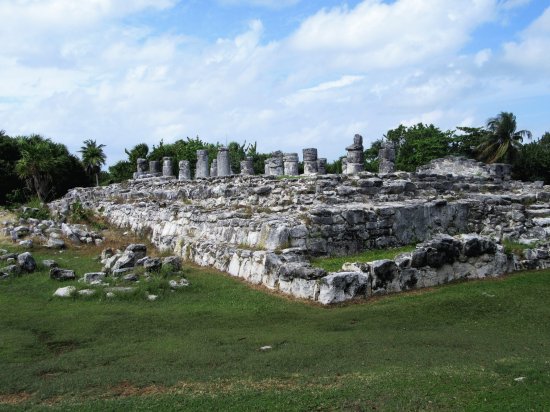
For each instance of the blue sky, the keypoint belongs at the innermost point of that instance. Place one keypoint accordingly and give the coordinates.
(288, 74)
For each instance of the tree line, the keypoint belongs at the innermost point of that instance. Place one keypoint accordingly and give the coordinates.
(37, 166)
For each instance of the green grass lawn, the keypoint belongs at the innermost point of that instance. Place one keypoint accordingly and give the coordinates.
(334, 263)
(457, 347)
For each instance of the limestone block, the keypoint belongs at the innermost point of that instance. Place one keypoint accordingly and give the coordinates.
(339, 287)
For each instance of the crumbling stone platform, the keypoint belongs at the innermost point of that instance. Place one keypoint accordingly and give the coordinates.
(265, 228)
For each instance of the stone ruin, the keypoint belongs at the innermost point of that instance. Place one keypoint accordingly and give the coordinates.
(386, 157)
(266, 229)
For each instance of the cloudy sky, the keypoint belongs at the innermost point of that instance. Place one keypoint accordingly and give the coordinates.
(288, 74)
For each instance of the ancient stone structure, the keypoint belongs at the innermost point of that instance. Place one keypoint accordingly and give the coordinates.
(386, 157)
(154, 168)
(461, 166)
(167, 167)
(290, 164)
(202, 169)
(214, 168)
(247, 167)
(355, 159)
(322, 166)
(310, 161)
(184, 170)
(264, 229)
(224, 165)
(344, 165)
(141, 168)
(275, 164)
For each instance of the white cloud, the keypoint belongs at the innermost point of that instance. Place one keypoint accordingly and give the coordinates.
(482, 57)
(375, 34)
(533, 49)
(343, 71)
(512, 4)
(272, 4)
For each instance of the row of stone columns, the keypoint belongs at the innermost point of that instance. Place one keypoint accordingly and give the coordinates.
(278, 164)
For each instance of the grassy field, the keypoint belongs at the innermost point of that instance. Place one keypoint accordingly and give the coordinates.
(334, 263)
(481, 345)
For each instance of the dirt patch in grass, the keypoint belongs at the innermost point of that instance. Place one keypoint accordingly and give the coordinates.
(14, 398)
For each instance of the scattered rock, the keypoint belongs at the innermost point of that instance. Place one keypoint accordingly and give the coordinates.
(62, 274)
(93, 277)
(55, 243)
(86, 292)
(11, 270)
(177, 284)
(131, 277)
(265, 348)
(65, 292)
(121, 289)
(48, 263)
(26, 262)
(119, 272)
(139, 250)
(27, 244)
(152, 297)
(174, 261)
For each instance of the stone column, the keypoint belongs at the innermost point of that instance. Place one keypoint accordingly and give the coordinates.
(386, 158)
(322, 166)
(202, 164)
(247, 167)
(184, 170)
(154, 168)
(310, 161)
(214, 168)
(141, 168)
(167, 170)
(356, 156)
(290, 161)
(224, 165)
(277, 168)
(344, 165)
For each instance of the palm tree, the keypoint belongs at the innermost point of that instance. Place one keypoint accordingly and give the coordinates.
(39, 160)
(92, 158)
(502, 140)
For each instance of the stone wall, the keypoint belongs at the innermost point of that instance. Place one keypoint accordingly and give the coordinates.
(461, 166)
(265, 229)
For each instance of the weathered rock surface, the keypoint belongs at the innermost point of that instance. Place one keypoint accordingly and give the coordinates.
(65, 292)
(62, 274)
(265, 229)
(26, 262)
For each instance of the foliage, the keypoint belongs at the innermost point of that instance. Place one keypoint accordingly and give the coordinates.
(417, 145)
(10, 153)
(457, 347)
(467, 142)
(121, 171)
(39, 163)
(93, 158)
(258, 159)
(139, 151)
(183, 150)
(78, 214)
(502, 140)
(34, 209)
(334, 167)
(371, 156)
(533, 161)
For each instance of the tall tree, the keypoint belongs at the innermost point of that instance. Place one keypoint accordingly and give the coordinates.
(39, 159)
(503, 140)
(93, 158)
(417, 145)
